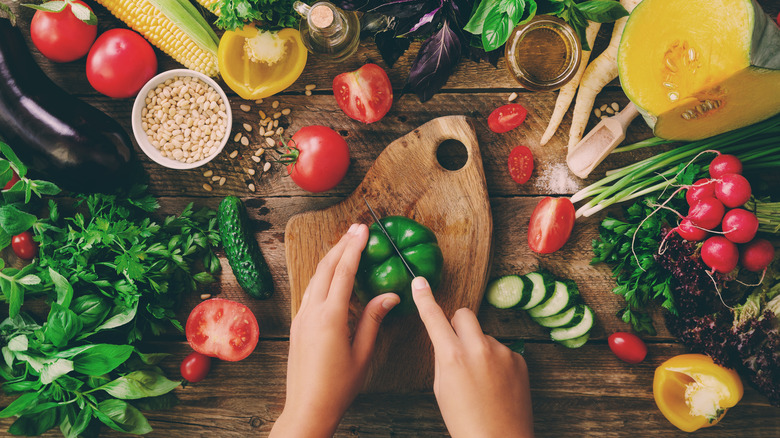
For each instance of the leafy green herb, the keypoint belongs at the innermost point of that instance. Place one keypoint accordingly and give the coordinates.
(495, 19)
(577, 13)
(274, 14)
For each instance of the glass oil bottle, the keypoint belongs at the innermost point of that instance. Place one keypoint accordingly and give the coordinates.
(329, 31)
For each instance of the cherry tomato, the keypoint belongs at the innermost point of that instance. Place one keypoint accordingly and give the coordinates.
(14, 180)
(195, 367)
(521, 164)
(222, 328)
(551, 223)
(60, 36)
(120, 63)
(321, 158)
(627, 347)
(364, 94)
(24, 246)
(506, 118)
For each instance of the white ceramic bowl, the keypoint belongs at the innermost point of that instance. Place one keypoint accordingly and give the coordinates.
(143, 139)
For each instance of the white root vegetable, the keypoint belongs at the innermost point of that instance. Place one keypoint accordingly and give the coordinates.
(599, 73)
(566, 95)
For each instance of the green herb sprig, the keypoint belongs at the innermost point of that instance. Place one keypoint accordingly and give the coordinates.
(273, 14)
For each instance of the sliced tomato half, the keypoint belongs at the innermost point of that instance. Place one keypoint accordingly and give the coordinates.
(521, 164)
(551, 223)
(364, 94)
(222, 328)
(507, 117)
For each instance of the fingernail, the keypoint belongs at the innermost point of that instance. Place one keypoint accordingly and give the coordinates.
(419, 283)
(352, 229)
(391, 302)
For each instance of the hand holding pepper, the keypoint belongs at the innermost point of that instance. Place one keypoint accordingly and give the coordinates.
(326, 368)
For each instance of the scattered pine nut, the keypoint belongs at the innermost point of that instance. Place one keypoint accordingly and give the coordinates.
(512, 97)
(251, 187)
(250, 171)
(208, 173)
(247, 127)
(259, 101)
(270, 142)
(603, 107)
(597, 112)
(259, 152)
(615, 106)
(286, 111)
(215, 178)
(610, 110)
(275, 104)
(234, 154)
(266, 167)
(262, 115)
(222, 181)
(279, 131)
(276, 123)
(245, 108)
(207, 187)
(268, 133)
(255, 158)
(237, 138)
(205, 296)
(310, 87)
(277, 115)
(245, 141)
(603, 117)
(308, 93)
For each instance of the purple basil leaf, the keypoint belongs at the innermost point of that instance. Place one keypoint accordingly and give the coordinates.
(390, 47)
(427, 19)
(357, 5)
(461, 11)
(406, 14)
(435, 62)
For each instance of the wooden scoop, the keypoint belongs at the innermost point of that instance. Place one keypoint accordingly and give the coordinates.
(600, 141)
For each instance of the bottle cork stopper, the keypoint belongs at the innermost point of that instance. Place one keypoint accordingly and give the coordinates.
(321, 16)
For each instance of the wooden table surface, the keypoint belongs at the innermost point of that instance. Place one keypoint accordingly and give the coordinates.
(581, 392)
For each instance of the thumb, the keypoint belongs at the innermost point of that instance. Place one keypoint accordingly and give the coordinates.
(368, 325)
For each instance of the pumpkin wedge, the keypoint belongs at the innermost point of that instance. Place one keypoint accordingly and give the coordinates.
(697, 68)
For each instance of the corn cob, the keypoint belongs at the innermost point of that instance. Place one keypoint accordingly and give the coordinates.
(175, 27)
(208, 5)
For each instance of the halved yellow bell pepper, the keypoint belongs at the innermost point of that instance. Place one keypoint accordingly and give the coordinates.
(253, 79)
(694, 392)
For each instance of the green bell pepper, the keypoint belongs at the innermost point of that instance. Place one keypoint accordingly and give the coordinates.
(382, 271)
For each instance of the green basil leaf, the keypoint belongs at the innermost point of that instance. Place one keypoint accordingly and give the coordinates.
(83, 13)
(70, 383)
(45, 188)
(62, 287)
(21, 403)
(550, 7)
(204, 278)
(140, 384)
(61, 325)
(121, 316)
(15, 297)
(514, 8)
(529, 14)
(8, 357)
(18, 343)
(91, 309)
(5, 241)
(52, 6)
(165, 401)
(54, 370)
(152, 358)
(16, 163)
(15, 221)
(122, 417)
(101, 358)
(34, 424)
(601, 11)
(496, 31)
(29, 280)
(79, 424)
(477, 20)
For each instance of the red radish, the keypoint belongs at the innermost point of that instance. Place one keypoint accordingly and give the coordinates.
(723, 164)
(732, 190)
(703, 188)
(757, 255)
(688, 231)
(740, 226)
(707, 213)
(720, 254)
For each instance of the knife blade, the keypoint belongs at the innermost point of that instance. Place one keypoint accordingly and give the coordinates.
(384, 231)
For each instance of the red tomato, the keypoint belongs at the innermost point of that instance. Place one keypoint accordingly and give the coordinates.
(222, 328)
(364, 94)
(24, 246)
(120, 63)
(627, 347)
(60, 36)
(551, 223)
(321, 158)
(506, 118)
(521, 164)
(14, 180)
(195, 367)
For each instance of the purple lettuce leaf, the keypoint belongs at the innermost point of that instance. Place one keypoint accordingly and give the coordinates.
(390, 47)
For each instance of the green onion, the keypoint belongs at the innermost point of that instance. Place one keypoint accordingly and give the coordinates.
(757, 146)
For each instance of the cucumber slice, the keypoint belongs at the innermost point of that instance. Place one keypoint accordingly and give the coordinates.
(562, 298)
(576, 342)
(543, 288)
(568, 318)
(508, 291)
(584, 326)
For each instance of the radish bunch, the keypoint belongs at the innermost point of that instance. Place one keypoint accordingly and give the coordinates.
(715, 203)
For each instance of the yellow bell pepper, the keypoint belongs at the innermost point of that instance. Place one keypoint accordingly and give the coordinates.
(694, 392)
(257, 64)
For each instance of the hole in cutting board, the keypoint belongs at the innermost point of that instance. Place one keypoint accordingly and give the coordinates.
(452, 154)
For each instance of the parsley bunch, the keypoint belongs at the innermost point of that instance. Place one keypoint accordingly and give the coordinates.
(273, 14)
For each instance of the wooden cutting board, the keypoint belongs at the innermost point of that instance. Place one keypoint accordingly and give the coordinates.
(407, 179)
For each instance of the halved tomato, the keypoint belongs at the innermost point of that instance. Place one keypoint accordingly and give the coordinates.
(551, 223)
(364, 94)
(506, 118)
(521, 164)
(222, 328)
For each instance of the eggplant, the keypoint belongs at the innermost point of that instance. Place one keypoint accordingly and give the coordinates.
(59, 137)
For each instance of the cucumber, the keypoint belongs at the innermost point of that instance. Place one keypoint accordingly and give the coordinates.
(242, 250)
(563, 297)
(576, 342)
(508, 291)
(568, 318)
(583, 327)
(543, 288)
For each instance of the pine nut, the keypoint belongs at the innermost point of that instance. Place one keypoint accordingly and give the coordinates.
(279, 131)
(205, 296)
(266, 167)
(237, 138)
(310, 87)
(245, 141)
(247, 127)
(207, 187)
(260, 151)
(234, 154)
(270, 142)
(215, 178)
(597, 112)
(255, 158)
(512, 97)
(275, 104)
(603, 107)
(276, 123)
(277, 115)
(259, 101)
(269, 133)
(610, 110)
(251, 187)
(286, 111)
(208, 173)
(262, 115)
(308, 93)
(250, 171)
(615, 106)
(245, 108)
(222, 181)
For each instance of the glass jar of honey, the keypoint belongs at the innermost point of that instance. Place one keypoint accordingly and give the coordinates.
(543, 54)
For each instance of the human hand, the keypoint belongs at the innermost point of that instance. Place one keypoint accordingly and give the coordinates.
(481, 385)
(327, 367)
